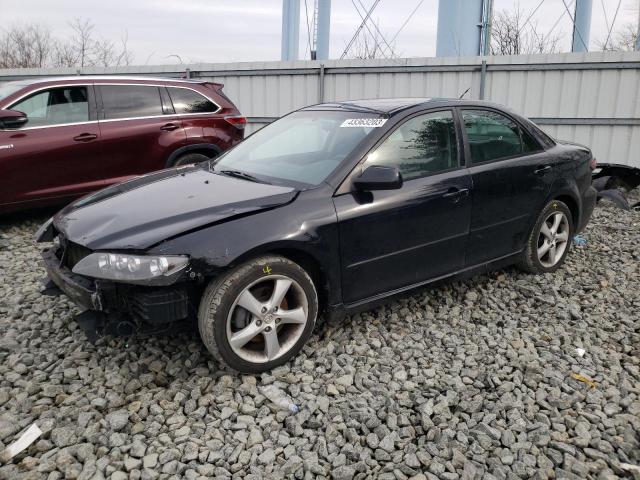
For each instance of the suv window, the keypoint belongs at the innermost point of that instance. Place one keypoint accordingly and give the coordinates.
(187, 101)
(130, 101)
(420, 146)
(55, 106)
(492, 136)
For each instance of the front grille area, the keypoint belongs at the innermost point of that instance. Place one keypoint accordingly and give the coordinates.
(159, 306)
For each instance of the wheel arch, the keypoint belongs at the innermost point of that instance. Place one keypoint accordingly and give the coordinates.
(303, 257)
(573, 205)
(208, 149)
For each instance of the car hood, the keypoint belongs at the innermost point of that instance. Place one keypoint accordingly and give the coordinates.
(142, 212)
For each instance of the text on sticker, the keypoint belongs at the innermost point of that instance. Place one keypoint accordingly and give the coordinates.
(364, 122)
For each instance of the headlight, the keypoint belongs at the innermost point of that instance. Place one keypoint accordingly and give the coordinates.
(123, 267)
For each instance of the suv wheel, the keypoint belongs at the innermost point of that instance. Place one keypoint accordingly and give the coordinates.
(550, 239)
(258, 315)
(189, 158)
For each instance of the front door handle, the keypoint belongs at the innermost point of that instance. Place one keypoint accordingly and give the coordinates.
(169, 127)
(85, 137)
(542, 170)
(456, 193)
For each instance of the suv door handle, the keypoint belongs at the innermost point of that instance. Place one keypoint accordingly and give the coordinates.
(542, 170)
(455, 193)
(169, 127)
(85, 137)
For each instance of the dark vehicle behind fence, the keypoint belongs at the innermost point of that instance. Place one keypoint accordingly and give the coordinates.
(332, 208)
(61, 138)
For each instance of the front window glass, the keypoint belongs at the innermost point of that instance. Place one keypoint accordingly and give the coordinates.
(491, 135)
(55, 107)
(304, 147)
(130, 101)
(420, 146)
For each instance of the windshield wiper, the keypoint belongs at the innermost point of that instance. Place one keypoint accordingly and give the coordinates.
(244, 175)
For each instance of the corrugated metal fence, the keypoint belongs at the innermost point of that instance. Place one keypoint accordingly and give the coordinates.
(590, 98)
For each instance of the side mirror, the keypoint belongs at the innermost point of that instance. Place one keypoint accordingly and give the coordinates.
(12, 119)
(378, 177)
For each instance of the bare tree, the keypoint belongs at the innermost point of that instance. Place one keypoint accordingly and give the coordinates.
(25, 46)
(513, 34)
(33, 46)
(82, 41)
(64, 55)
(624, 39)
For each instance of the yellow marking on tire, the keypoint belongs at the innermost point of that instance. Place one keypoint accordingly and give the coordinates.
(266, 269)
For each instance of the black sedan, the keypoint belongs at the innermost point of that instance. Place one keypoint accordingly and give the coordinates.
(330, 209)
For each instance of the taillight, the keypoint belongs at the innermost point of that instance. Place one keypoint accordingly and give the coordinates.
(594, 163)
(237, 121)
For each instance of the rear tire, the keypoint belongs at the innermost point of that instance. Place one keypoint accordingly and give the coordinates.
(189, 159)
(550, 239)
(258, 315)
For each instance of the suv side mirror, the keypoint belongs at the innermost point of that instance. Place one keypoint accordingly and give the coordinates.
(11, 119)
(377, 177)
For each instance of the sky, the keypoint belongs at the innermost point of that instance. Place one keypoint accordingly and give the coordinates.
(170, 31)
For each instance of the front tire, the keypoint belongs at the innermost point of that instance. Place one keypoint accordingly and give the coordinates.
(258, 315)
(550, 239)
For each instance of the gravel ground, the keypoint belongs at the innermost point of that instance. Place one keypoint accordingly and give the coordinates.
(473, 380)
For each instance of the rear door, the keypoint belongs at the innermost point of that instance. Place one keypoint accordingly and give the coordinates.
(511, 175)
(396, 238)
(139, 129)
(56, 154)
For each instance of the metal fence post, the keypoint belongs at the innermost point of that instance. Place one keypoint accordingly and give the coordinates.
(321, 84)
(483, 78)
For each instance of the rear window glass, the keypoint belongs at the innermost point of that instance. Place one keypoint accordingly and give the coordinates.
(130, 101)
(187, 101)
(491, 135)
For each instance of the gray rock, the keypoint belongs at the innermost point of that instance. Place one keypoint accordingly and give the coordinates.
(344, 472)
(117, 420)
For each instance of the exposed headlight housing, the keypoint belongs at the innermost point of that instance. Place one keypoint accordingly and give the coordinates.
(127, 268)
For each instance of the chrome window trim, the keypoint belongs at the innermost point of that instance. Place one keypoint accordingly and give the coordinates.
(9, 107)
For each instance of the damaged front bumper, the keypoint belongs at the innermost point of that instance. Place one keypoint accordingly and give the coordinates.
(110, 308)
(79, 289)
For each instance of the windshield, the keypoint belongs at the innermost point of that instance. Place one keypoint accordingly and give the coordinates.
(304, 147)
(9, 88)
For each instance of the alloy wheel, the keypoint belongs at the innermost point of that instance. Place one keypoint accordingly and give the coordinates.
(267, 318)
(553, 239)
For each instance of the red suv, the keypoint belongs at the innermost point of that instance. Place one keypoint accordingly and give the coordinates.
(63, 137)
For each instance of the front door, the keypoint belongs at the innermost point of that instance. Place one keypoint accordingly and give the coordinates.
(511, 176)
(56, 153)
(397, 238)
(139, 129)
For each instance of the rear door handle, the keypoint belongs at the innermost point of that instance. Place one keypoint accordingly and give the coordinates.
(169, 127)
(542, 170)
(85, 137)
(455, 193)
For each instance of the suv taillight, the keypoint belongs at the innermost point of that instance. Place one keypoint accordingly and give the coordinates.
(237, 121)
(593, 164)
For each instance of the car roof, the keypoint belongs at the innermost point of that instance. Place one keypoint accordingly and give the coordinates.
(391, 106)
(111, 78)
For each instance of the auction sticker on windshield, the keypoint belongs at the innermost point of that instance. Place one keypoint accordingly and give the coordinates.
(364, 122)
